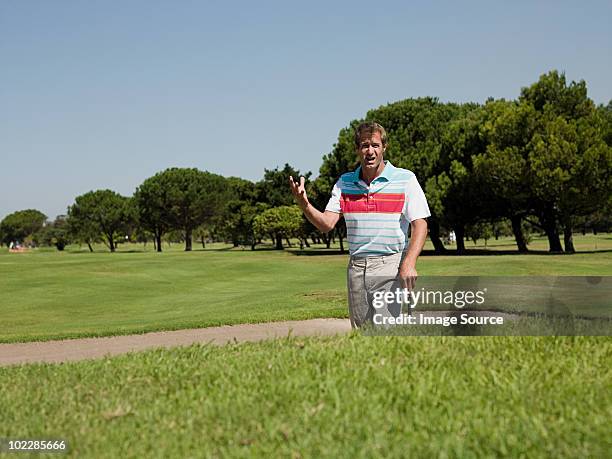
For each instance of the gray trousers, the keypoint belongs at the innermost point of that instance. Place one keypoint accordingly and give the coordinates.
(365, 277)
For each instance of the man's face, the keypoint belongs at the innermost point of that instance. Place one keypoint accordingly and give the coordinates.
(370, 151)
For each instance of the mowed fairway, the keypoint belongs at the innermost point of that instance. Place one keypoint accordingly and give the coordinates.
(48, 294)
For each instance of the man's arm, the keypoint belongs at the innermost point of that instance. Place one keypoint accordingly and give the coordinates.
(324, 221)
(407, 270)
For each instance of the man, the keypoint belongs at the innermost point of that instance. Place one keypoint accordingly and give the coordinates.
(379, 202)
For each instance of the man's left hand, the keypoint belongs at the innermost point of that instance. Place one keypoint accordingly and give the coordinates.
(407, 275)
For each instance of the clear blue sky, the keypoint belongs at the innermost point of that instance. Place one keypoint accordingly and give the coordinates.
(104, 94)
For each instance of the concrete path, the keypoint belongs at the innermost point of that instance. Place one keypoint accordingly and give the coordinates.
(90, 348)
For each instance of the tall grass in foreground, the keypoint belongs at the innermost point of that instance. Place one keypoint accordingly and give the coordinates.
(351, 396)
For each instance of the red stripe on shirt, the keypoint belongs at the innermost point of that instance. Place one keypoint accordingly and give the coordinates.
(376, 203)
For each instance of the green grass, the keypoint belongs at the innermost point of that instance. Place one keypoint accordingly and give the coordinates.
(588, 242)
(349, 396)
(47, 294)
(352, 396)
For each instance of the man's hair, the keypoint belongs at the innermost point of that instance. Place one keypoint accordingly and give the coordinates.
(369, 128)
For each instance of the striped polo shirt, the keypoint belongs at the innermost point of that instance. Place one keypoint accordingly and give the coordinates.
(378, 215)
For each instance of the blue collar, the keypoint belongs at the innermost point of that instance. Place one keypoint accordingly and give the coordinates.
(385, 175)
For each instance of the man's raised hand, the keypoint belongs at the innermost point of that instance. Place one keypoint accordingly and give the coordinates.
(299, 192)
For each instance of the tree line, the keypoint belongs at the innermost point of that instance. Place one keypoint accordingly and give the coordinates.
(541, 162)
(178, 204)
